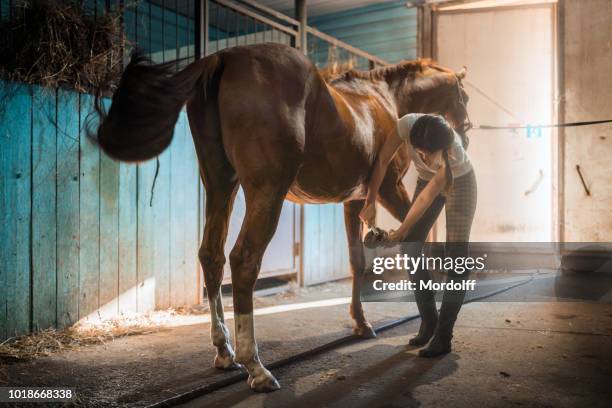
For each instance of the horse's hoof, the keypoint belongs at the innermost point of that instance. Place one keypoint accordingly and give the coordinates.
(226, 362)
(263, 383)
(365, 332)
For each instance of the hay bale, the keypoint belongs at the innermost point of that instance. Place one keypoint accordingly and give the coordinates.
(58, 44)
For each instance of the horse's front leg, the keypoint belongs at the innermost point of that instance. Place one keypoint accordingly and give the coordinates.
(353, 224)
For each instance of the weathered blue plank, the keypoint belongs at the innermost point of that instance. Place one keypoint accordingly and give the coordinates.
(183, 216)
(44, 232)
(128, 213)
(89, 209)
(109, 235)
(161, 256)
(153, 234)
(15, 210)
(311, 243)
(386, 30)
(324, 246)
(67, 207)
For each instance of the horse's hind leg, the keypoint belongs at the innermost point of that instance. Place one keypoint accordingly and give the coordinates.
(221, 184)
(219, 203)
(263, 207)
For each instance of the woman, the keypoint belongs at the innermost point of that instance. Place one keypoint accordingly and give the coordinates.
(445, 179)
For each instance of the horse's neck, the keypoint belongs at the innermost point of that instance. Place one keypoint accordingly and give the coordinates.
(420, 95)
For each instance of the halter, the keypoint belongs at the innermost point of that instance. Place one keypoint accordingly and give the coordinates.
(467, 124)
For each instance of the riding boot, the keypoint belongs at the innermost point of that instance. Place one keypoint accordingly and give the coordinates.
(426, 304)
(441, 342)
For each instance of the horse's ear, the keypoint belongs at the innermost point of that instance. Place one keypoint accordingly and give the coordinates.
(462, 74)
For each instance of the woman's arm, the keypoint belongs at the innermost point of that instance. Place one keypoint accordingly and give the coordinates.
(388, 150)
(420, 205)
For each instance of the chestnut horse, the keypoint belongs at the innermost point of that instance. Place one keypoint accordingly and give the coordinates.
(264, 118)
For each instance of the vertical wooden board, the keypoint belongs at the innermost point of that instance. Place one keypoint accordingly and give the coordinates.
(15, 210)
(109, 235)
(145, 239)
(183, 216)
(4, 243)
(128, 238)
(44, 169)
(89, 213)
(178, 216)
(311, 243)
(192, 289)
(342, 267)
(153, 235)
(67, 207)
(327, 235)
(161, 203)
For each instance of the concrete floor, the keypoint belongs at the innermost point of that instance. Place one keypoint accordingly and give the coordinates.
(506, 354)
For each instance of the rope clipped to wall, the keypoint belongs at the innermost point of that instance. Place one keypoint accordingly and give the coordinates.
(154, 181)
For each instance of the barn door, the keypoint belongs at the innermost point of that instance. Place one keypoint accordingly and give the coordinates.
(509, 53)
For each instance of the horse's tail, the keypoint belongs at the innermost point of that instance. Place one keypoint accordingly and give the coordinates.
(146, 106)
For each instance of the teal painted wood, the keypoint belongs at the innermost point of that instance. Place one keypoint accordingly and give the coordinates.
(325, 246)
(44, 214)
(88, 217)
(183, 216)
(67, 207)
(128, 238)
(15, 210)
(387, 30)
(161, 206)
(310, 246)
(109, 235)
(89, 214)
(146, 239)
(153, 235)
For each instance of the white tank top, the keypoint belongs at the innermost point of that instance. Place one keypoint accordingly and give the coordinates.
(457, 156)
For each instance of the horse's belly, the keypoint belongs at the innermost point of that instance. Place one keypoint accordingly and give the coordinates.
(322, 182)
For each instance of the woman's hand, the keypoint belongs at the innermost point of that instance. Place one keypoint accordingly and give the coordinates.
(368, 214)
(396, 235)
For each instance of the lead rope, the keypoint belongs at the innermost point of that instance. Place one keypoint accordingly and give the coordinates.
(154, 181)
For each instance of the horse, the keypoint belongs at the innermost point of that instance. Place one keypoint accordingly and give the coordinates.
(263, 117)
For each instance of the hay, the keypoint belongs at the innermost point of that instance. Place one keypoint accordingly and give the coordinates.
(51, 341)
(57, 44)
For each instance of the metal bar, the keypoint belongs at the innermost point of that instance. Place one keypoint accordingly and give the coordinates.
(271, 12)
(218, 27)
(177, 33)
(348, 47)
(226, 30)
(256, 16)
(163, 32)
(201, 34)
(237, 28)
(301, 14)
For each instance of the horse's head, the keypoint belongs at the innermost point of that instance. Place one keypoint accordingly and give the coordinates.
(425, 87)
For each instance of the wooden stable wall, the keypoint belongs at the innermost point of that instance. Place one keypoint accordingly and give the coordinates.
(585, 49)
(81, 235)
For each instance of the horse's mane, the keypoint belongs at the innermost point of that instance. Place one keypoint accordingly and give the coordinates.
(345, 72)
